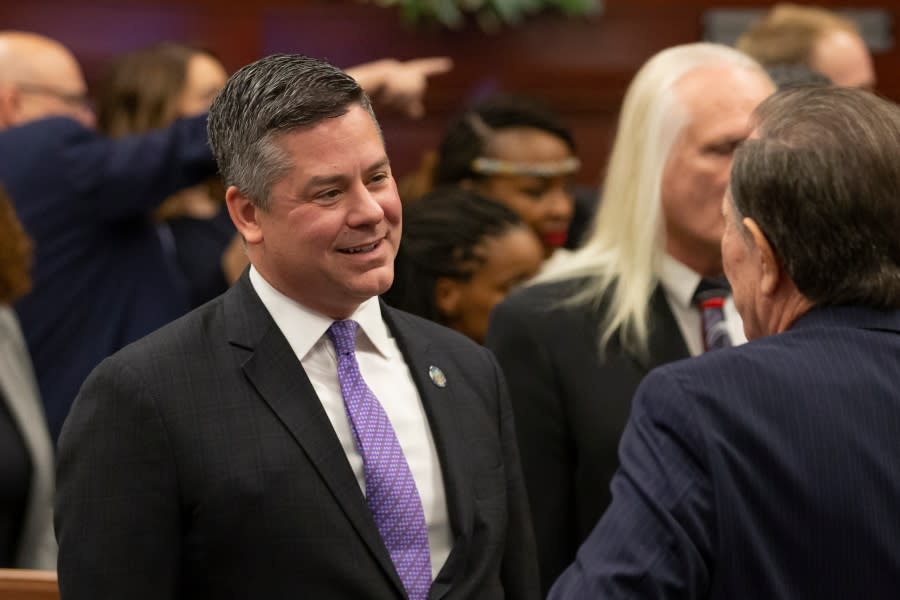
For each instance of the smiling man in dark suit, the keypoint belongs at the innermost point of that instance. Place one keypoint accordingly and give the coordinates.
(769, 470)
(296, 438)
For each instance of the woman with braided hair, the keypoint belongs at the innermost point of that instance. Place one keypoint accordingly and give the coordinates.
(461, 254)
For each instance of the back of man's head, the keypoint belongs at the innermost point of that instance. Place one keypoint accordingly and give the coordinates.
(820, 177)
(814, 37)
(39, 78)
(267, 98)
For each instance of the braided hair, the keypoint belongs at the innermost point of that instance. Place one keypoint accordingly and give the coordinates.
(443, 233)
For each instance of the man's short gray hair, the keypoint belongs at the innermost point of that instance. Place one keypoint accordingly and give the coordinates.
(264, 100)
(820, 178)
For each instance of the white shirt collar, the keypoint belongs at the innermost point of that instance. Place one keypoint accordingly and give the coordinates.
(304, 327)
(679, 281)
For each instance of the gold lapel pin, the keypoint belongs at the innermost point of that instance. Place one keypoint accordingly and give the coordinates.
(437, 376)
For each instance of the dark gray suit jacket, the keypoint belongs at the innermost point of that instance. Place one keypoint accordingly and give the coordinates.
(199, 463)
(570, 405)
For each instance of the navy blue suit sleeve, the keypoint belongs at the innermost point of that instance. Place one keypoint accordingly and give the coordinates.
(129, 177)
(117, 511)
(656, 539)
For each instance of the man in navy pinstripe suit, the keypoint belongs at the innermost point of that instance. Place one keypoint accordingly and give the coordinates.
(769, 470)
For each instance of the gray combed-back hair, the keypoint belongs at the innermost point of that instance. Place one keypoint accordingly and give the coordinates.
(821, 179)
(264, 100)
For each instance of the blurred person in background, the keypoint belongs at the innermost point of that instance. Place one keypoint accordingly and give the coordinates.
(637, 294)
(461, 254)
(516, 151)
(786, 74)
(26, 467)
(149, 89)
(813, 37)
(101, 277)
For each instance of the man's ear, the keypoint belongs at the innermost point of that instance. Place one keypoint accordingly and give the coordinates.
(244, 214)
(769, 265)
(447, 294)
(10, 101)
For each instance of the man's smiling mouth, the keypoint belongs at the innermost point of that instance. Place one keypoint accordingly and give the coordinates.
(360, 249)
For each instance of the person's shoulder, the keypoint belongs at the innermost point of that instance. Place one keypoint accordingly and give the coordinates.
(64, 126)
(551, 309)
(545, 296)
(189, 335)
(757, 371)
(47, 136)
(751, 355)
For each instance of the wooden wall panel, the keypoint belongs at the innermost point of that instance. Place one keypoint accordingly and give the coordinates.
(579, 66)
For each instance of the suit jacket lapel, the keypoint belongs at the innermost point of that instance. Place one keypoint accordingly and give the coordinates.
(439, 405)
(665, 342)
(274, 371)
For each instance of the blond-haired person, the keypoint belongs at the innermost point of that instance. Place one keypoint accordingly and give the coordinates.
(575, 347)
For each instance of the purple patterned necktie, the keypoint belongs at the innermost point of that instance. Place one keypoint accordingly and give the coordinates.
(390, 488)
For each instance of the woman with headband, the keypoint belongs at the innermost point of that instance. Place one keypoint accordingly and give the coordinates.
(516, 151)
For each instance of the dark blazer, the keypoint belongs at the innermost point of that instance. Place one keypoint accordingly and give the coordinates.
(199, 463)
(570, 406)
(764, 471)
(101, 277)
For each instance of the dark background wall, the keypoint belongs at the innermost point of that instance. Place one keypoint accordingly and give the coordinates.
(579, 66)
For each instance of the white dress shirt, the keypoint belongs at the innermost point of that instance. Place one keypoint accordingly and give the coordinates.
(679, 282)
(387, 375)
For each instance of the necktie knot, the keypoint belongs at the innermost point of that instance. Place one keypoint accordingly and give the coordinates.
(343, 336)
(711, 289)
(710, 299)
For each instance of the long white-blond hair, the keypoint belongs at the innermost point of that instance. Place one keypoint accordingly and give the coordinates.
(624, 250)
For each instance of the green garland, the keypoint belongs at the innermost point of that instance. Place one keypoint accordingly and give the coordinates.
(490, 15)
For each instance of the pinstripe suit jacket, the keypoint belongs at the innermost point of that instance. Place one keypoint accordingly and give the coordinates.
(764, 471)
(199, 463)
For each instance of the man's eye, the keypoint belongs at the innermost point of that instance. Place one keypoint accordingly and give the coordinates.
(535, 193)
(725, 149)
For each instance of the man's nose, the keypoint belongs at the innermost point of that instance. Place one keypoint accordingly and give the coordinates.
(366, 207)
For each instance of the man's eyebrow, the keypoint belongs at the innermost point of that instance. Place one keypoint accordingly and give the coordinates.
(379, 164)
(731, 138)
(323, 181)
(318, 181)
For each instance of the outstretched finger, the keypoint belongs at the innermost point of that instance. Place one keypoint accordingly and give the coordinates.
(433, 65)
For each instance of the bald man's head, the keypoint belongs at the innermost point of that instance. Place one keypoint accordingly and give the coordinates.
(819, 39)
(39, 78)
(842, 56)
